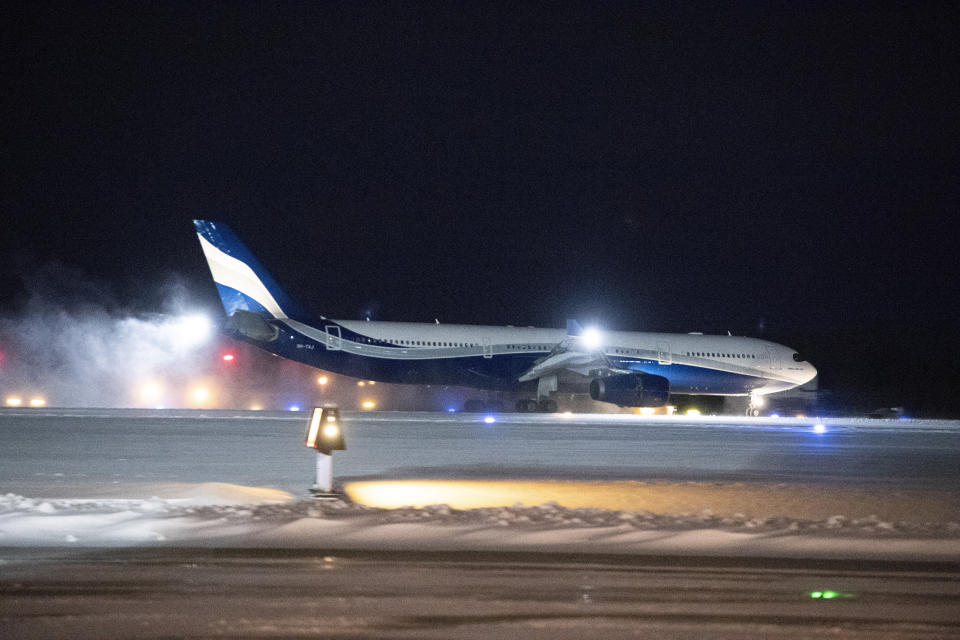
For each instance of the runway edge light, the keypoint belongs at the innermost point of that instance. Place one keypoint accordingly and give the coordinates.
(324, 432)
(325, 435)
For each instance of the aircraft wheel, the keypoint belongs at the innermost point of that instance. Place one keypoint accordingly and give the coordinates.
(525, 405)
(547, 406)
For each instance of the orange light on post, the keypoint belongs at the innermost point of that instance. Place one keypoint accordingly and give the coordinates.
(324, 435)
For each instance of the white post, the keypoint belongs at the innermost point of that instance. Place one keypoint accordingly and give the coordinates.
(324, 473)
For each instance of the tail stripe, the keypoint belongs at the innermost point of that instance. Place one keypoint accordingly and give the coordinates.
(235, 277)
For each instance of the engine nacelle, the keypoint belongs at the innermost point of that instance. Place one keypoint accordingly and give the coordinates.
(252, 326)
(631, 390)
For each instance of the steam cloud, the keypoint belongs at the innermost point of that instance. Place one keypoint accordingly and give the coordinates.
(72, 345)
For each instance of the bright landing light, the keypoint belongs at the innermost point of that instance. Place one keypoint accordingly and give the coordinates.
(591, 338)
(819, 428)
(368, 404)
(14, 401)
(37, 402)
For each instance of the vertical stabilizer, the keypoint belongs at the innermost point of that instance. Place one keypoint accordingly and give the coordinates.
(242, 282)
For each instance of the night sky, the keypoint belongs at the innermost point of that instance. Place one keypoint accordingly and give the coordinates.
(784, 170)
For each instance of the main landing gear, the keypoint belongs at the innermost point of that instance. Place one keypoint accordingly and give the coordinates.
(529, 405)
(480, 406)
(543, 404)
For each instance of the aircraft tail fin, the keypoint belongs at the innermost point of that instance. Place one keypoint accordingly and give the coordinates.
(574, 328)
(242, 282)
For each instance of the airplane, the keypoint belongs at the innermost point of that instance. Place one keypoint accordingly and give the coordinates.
(629, 369)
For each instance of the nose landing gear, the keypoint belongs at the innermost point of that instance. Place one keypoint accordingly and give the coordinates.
(756, 403)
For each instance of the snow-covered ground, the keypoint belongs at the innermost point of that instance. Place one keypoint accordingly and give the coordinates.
(230, 516)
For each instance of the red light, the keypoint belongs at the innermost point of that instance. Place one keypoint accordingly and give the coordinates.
(228, 357)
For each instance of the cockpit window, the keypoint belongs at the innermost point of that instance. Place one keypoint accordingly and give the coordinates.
(797, 357)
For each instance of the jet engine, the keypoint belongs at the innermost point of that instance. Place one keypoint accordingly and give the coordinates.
(252, 326)
(631, 390)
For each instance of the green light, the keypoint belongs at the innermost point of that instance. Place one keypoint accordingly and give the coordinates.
(824, 595)
(827, 595)
(816, 594)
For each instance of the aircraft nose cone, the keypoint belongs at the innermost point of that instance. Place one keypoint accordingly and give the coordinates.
(810, 373)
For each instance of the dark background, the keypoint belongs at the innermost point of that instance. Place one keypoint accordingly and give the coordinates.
(785, 170)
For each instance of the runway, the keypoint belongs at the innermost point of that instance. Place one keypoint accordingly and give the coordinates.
(890, 470)
(71, 452)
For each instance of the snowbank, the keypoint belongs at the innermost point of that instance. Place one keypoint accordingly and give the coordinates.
(256, 519)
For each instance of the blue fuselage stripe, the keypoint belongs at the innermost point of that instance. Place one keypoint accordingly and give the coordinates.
(474, 370)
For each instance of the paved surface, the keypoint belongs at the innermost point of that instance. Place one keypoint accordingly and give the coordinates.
(63, 453)
(270, 593)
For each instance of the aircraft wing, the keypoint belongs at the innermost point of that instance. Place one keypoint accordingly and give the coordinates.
(573, 354)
